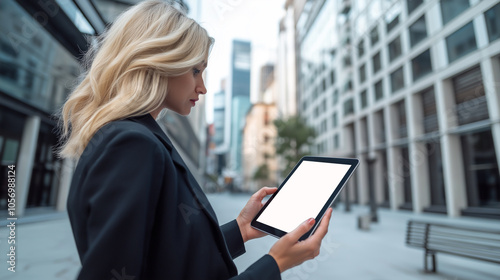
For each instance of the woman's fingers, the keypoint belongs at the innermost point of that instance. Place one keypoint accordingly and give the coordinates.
(322, 229)
(263, 192)
(302, 229)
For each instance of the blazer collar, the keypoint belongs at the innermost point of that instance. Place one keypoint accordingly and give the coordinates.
(148, 121)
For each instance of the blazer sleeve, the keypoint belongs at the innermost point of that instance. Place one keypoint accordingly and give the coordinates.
(265, 268)
(121, 190)
(233, 238)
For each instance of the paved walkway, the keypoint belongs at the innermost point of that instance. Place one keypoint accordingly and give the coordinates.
(45, 248)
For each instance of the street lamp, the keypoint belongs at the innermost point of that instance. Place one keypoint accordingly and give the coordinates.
(371, 187)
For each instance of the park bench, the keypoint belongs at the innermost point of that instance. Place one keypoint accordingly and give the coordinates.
(471, 242)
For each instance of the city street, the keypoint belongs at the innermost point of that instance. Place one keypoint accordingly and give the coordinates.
(45, 248)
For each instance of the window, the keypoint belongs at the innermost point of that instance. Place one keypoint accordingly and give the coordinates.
(390, 25)
(365, 140)
(404, 161)
(364, 99)
(323, 126)
(421, 65)
(25, 62)
(481, 169)
(436, 180)
(413, 4)
(461, 42)
(397, 80)
(376, 63)
(361, 48)
(452, 8)
(336, 141)
(347, 60)
(493, 22)
(348, 86)
(362, 73)
(379, 126)
(401, 129)
(470, 100)
(430, 120)
(332, 77)
(374, 35)
(334, 120)
(418, 31)
(335, 97)
(395, 48)
(379, 92)
(348, 107)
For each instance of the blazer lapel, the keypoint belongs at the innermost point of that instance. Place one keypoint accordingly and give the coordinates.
(150, 122)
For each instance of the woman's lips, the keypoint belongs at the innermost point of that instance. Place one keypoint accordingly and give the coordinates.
(193, 101)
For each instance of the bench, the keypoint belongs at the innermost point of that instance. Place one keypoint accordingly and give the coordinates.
(471, 242)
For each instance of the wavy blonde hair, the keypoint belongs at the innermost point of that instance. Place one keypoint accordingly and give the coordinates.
(128, 70)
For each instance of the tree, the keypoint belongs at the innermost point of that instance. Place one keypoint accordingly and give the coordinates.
(294, 138)
(262, 173)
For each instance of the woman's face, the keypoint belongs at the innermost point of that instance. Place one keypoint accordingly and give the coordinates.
(184, 90)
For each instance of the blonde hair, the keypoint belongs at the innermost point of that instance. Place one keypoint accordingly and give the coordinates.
(129, 69)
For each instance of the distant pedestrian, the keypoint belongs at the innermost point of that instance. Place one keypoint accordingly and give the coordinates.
(135, 208)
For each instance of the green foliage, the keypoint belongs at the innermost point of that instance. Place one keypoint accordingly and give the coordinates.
(293, 140)
(262, 173)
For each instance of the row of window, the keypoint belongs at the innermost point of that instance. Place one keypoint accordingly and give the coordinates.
(459, 43)
(470, 105)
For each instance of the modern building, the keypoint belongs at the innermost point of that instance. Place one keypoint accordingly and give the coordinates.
(41, 43)
(411, 88)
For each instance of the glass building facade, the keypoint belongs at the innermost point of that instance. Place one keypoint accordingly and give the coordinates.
(37, 71)
(416, 89)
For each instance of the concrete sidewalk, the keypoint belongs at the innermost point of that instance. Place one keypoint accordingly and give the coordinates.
(46, 250)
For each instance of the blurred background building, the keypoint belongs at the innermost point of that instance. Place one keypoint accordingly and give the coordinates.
(260, 163)
(41, 43)
(412, 86)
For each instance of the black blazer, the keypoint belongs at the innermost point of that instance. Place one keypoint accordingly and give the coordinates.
(138, 213)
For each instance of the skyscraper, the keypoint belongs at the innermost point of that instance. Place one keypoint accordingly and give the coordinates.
(230, 107)
(240, 99)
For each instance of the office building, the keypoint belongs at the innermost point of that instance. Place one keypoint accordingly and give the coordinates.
(411, 88)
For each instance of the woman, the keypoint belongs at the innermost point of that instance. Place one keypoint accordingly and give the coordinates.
(136, 210)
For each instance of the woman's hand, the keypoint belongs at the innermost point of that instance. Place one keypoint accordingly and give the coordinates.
(251, 209)
(289, 251)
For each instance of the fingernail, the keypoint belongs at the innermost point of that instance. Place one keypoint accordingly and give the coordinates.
(310, 221)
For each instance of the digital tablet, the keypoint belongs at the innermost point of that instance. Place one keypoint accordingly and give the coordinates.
(307, 192)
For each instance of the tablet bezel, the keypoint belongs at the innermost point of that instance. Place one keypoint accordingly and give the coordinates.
(279, 233)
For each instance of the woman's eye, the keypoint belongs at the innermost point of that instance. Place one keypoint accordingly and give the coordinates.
(196, 71)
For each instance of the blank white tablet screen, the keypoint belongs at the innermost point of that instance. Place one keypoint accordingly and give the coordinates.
(304, 194)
